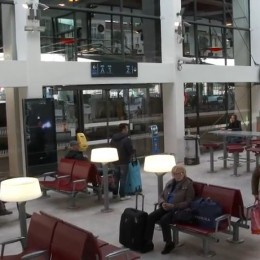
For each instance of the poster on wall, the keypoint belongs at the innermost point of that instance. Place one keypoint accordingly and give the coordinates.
(40, 135)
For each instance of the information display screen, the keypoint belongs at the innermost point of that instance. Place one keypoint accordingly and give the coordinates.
(40, 131)
(114, 69)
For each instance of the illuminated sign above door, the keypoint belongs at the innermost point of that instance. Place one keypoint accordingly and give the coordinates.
(114, 69)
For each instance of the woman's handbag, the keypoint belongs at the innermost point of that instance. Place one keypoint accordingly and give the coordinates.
(255, 219)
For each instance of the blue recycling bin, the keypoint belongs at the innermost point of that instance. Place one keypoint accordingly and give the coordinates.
(155, 139)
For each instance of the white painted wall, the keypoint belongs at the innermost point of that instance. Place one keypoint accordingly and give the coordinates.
(79, 73)
(207, 73)
(13, 73)
(255, 49)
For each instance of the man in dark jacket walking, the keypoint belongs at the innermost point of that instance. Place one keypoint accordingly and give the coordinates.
(125, 150)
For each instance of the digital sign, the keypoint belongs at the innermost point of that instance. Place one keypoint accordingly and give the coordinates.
(114, 69)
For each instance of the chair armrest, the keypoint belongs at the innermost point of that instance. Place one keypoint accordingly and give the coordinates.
(35, 254)
(156, 205)
(222, 218)
(63, 177)
(10, 241)
(77, 181)
(123, 251)
(248, 212)
(52, 174)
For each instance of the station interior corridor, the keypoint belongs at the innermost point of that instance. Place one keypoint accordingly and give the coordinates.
(106, 225)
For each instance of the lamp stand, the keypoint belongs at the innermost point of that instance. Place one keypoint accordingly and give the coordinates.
(160, 183)
(22, 220)
(105, 188)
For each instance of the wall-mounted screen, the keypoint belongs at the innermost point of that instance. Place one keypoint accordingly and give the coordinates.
(40, 135)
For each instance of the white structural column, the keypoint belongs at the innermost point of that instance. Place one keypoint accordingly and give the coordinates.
(173, 93)
(13, 97)
(28, 47)
(255, 50)
(22, 46)
(33, 52)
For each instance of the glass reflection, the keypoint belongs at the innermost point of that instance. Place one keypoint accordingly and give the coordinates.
(104, 109)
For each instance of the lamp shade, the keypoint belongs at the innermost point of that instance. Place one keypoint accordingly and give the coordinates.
(20, 189)
(159, 163)
(104, 155)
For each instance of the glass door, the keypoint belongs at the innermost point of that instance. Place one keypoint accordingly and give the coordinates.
(98, 111)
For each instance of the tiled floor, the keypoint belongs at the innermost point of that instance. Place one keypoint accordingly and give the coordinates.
(106, 225)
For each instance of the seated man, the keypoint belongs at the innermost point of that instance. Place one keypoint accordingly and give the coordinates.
(3, 210)
(74, 152)
(177, 194)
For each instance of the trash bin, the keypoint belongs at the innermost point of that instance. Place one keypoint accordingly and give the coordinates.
(192, 151)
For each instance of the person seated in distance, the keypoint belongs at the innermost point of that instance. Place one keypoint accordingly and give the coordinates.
(74, 152)
(177, 194)
(234, 125)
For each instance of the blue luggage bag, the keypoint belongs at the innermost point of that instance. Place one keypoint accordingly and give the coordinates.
(133, 183)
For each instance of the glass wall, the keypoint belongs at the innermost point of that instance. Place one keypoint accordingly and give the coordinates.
(217, 32)
(208, 106)
(98, 112)
(102, 30)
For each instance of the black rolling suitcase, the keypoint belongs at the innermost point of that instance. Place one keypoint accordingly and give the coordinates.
(132, 226)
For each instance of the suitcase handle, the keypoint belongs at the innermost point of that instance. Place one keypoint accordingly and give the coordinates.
(136, 200)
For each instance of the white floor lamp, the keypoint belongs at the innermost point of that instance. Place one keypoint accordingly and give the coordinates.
(159, 164)
(104, 156)
(20, 190)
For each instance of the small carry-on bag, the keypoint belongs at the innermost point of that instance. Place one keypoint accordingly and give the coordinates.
(132, 226)
(255, 219)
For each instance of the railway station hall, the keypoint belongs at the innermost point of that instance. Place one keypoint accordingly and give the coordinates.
(129, 129)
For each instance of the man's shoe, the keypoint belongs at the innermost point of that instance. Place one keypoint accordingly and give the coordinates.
(148, 246)
(115, 196)
(5, 212)
(168, 248)
(28, 215)
(125, 198)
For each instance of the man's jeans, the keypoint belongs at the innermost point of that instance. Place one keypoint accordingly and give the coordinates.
(121, 172)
